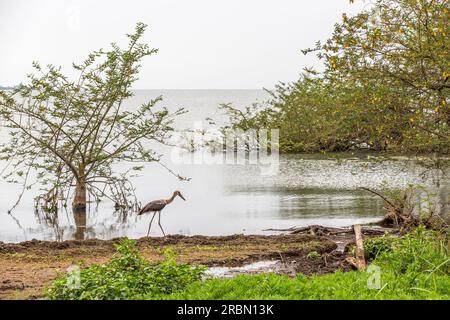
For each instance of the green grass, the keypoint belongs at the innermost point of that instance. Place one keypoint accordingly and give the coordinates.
(350, 285)
(416, 266)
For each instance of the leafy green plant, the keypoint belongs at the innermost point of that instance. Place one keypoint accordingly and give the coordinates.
(313, 255)
(127, 275)
(373, 247)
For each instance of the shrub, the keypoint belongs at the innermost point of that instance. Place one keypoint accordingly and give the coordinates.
(313, 255)
(125, 276)
(373, 247)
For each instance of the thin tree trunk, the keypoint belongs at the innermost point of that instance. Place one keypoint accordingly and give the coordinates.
(79, 201)
(80, 223)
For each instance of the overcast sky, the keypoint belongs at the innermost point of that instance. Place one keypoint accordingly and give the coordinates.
(204, 44)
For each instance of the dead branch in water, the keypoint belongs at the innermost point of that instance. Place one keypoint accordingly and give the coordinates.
(328, 231)
(380, 195)
(403, 212)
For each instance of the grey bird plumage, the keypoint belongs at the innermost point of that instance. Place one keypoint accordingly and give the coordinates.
(156, 206)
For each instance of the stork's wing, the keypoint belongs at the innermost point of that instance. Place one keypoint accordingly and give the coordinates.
(156, 205)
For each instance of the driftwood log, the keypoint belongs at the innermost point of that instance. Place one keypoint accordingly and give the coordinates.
(317, 230)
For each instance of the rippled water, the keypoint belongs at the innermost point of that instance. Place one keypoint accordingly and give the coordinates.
(227, 199)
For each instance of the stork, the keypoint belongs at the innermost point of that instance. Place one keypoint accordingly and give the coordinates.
(156, 206)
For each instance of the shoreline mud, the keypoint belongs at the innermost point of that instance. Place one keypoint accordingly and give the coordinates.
(28, 268)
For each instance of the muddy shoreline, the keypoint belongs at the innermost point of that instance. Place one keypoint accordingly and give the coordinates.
(27, 268)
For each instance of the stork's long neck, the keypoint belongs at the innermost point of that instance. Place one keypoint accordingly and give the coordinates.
(171, 198)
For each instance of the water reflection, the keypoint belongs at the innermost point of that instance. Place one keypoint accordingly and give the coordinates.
(80, 224)
(77, 224)
(227, 199)
(231, 199)
(49, 219)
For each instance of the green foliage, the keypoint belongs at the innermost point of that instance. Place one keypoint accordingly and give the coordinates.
(337, 286)
(127, 275)
(313, 255)
(385, 85)
(416, 267)
(420, 251)
(74, 131)
(373, 247)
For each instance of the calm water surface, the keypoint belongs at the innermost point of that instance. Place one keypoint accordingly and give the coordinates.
(225, 199)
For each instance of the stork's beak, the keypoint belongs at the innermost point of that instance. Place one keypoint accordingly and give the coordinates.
(181, 196)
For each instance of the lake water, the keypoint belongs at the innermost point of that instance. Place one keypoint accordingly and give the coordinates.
(226, 199)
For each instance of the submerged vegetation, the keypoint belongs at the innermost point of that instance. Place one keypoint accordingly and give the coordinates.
(416, 266)
(385, 85)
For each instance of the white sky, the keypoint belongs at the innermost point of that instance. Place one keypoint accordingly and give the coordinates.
(204, 44)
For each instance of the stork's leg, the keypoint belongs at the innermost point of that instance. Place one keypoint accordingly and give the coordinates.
(159, 222)
(150, 224)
